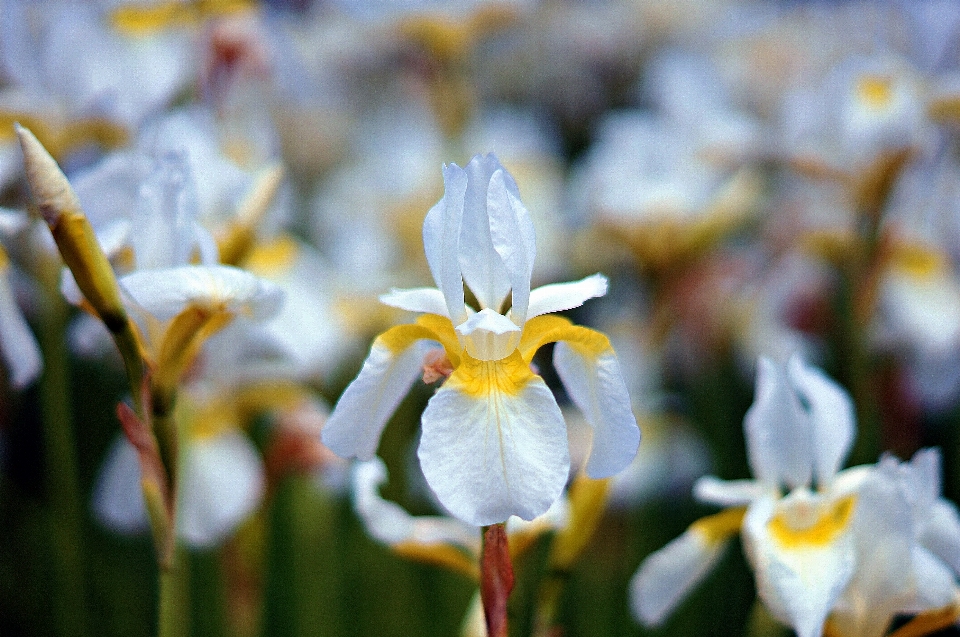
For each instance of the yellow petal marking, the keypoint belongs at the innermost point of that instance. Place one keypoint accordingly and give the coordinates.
(918, 260)
(588, 501)
(550, 328)
(141, 19)
(182, 340)
(481, 379)
(400, 337)
(61, 136)
(720, 526)
(929, 622)
(270, 259)
(793, 533)
(444, 333)
(445, 555)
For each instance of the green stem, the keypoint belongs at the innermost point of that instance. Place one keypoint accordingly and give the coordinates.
(173, 599)
(66, 513)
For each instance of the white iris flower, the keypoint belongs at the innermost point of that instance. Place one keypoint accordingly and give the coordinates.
(494, 442)
(795, 518)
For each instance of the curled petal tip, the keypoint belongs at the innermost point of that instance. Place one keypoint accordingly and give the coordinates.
(51, 190)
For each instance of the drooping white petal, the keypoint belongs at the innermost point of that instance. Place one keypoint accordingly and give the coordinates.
(941, 533)
(557, 297)
(725, 493)
(831, 418)
(595, 384)
(117, 496)
(490, 453)
(389, 523)
(222, 482)
(165, 293)
(779, 441)
(668, 575)
(883, 583)
(354, 427)
(428, 300)
(483, 269)
(935, 584)
(511, 231)
(19, 348)
(799, 579)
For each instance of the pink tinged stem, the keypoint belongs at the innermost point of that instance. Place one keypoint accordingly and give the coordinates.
(496, 579)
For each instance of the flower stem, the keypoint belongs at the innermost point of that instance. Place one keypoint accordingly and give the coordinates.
(66, 516)
(173, 599)
(496, 578)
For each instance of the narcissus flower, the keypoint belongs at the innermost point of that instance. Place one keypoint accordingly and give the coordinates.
(494, 442)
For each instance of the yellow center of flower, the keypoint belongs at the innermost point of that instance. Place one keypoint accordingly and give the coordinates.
(477, 378)
(808, 524)
(875, 91)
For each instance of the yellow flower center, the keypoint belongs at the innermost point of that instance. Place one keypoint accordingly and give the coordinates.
(477, 378)
(810, 523)
(875, 91)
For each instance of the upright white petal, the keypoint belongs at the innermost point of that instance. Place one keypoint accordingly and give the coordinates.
(491, 456)
(19, 348)
(557, 297)
(166, 292)
(595, 384)
(441, 241)
(483, 268)
(221, 484)
(779, 440)
(511, 231)
(354, 427)
(666, 576)
(831, 418)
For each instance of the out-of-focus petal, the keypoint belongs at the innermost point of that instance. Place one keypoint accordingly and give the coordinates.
(588, 367)
(117, 496)
(394, 362)
(557, 297)
(779, 441)
(428, 300)
(831, 417)
(221, 484)
(713, 490)
(511, 230)
(494, 443)
(800, 570)
(391, 524)
(941, 533)
(441, 241)
(668, 575)
(883, 583)
(19, 348)
(165, 293)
